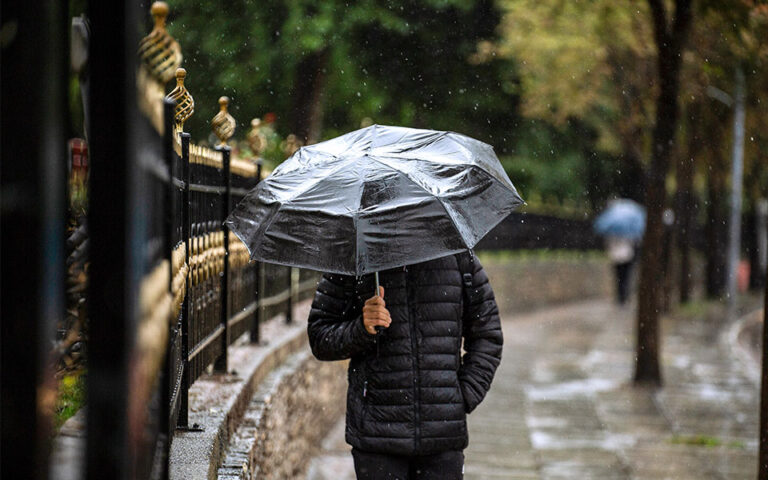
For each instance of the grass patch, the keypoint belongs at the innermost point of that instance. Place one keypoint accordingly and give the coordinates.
(70, 399)
(695, 308)
(506, 256)
(704, 441)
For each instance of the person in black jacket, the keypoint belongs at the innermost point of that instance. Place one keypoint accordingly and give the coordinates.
(410, 388)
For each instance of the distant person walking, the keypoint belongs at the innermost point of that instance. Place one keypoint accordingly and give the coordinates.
(410, 388)
(621, 251)
(623, 225)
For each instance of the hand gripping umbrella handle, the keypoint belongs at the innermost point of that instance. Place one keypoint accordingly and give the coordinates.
(378, 329)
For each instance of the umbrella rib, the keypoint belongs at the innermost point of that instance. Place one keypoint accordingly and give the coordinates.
(269, 222)
(466, 165)
(453, 220)
(313, 184)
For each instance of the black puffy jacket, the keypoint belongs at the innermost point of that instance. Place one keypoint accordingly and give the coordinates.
(410, 396)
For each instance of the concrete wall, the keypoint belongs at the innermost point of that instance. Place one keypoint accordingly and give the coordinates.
(526, 281)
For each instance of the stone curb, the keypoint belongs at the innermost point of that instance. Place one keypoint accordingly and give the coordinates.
(238, 461)
(738, 343)
(67, 456)
(287, 418)
(217, 402)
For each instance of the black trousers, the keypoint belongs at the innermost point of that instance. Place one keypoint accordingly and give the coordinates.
(623, 278)
(378, 466)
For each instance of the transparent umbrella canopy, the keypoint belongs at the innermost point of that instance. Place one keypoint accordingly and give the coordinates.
(377, 198)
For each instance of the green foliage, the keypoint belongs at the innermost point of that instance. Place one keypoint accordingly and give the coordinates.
(560, 166)
(427, 76)
(396, 62)
(423, 64)
(72, 391)
(704, 441)
(465, 66)
(573, 56)
(543, 254)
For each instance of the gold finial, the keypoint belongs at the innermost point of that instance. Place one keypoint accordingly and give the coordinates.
(223, 123)
(160, 11)
(256, 138)
(291, 144)
(185, 104)
(159, 51)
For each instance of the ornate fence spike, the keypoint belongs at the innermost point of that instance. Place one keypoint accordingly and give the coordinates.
(158, 50)
(256, 138)
(291, 144)
(223, 123)
(185, 104)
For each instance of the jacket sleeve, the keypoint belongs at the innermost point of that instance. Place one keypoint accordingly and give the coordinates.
(482, 340)
(335, 329)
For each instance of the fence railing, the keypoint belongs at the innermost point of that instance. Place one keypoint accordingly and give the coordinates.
(186, 289)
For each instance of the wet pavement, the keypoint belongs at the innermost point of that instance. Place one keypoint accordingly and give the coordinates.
(562, 405)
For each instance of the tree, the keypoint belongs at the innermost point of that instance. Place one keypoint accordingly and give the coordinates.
(670, 34)
(325, 66)
(589, 62)
(708, 87)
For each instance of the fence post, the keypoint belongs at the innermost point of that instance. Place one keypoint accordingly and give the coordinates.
(293, 292)
(224, 127)
(221, 362)
(167, 380)
(256, 326)
(112, 300)
(261, 284)
(33, 180)
(762, 471)
(183, 421)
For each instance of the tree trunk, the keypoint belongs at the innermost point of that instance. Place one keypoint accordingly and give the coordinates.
(668, 239)
(669, 42)
(715, 231)
(311, 74)
(760, 256)
(685, 204)
(762, 473)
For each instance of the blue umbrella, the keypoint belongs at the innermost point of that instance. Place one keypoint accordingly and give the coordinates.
(623, 218)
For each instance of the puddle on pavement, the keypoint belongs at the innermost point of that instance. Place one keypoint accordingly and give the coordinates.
(558, 391)
(557, 441)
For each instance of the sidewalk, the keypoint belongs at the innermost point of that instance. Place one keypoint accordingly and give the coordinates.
(562, 406)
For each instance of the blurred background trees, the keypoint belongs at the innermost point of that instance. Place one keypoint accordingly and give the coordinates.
(584, 101)
(564, 91)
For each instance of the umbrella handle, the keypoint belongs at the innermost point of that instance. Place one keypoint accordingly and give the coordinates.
(378, 329)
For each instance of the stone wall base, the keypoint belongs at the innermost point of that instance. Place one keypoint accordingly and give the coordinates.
(288, 416)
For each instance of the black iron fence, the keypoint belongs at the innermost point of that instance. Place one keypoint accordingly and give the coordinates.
(522, 231)
(171, 288)
(218, 294)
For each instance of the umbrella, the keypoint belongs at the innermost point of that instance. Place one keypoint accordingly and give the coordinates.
(623, 218)
(377, 198)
